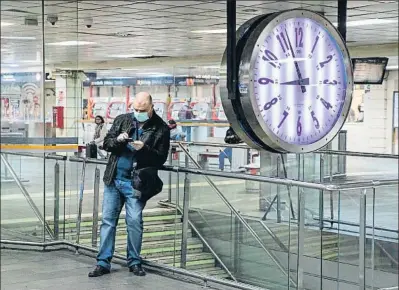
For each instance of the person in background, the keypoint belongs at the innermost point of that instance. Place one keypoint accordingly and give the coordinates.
(99, 135)
(231, 138)
(137, 141)
(186, 114)
(175, 133)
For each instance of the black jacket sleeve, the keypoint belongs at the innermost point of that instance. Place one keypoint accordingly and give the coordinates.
(156, 156)
(231, 137)
(110, 143)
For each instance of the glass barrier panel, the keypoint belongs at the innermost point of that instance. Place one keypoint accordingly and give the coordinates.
(22, 204)
(257, 259)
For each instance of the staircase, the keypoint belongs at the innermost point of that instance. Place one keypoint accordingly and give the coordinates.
(328, 245)
(161, 239)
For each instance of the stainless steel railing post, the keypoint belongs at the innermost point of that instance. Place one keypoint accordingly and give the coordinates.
(301, 235)
(321, 194)
(278, 192)
(96, 203)
(186, 204)
(56, 200)
(184, 236)
(362, 240)
(170, 176)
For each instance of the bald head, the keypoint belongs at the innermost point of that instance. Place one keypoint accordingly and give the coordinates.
(142, 103)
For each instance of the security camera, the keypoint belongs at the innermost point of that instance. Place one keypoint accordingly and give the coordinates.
(52, 18)
(88, 22)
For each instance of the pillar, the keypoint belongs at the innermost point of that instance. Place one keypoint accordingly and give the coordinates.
(69, 93)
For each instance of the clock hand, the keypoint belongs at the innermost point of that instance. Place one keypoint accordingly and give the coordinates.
(295, 62)
(303, 82)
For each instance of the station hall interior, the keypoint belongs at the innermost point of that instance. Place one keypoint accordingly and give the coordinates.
(261, 213)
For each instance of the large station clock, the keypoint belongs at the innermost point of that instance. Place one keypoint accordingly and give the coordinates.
(295, 82)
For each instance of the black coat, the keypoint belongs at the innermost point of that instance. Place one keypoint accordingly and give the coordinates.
(156, 139)
(231, 137)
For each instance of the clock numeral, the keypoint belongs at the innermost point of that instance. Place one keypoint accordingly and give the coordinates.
(285, 115)
(326, 104)
(299, 37)
(315, 121)
(265, 81)
(327, 82)
(274, 101)
(283, 43)
(323, 63)
(315, 43)
(299, 127)
(271, 58)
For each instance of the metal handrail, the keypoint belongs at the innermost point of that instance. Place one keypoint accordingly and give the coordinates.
(329, 152)
(241, 219)
(46, 156)
(259, 178)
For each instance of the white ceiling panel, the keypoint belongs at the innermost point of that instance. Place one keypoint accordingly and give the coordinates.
(160, 28)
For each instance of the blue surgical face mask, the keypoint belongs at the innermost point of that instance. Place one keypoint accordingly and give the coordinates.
(141, 116)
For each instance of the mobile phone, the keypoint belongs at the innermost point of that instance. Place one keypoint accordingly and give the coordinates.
(129, 140)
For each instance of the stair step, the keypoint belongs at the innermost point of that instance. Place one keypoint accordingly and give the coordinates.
(212, 271)
(147, 236)
(166, 243)
(165, 252)
(194, 260)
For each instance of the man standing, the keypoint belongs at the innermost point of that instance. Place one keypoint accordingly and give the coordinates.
(149, 149)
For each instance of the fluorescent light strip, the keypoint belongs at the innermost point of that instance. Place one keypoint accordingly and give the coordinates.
(71, 43)
(392, 67)
(6, 24)
(363, 22)
(19, 37)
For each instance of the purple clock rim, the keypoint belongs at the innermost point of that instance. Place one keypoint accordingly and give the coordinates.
(247, 63)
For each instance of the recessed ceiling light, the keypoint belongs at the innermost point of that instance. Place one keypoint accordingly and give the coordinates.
(19, 37)
(212, 31)
(6, 24)
(129, 55)
(71, 43)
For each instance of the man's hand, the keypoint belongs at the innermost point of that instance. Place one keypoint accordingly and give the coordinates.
(137, 145)
(122, 137)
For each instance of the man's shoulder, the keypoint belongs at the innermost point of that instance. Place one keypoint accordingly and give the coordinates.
(160, 123)
(122, 117)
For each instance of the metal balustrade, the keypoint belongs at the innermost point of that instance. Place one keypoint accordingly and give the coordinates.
(296, 276)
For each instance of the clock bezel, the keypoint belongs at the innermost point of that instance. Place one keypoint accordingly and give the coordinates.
(232, 108)
(246, 70)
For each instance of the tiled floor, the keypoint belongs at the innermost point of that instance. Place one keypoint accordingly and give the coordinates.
(63, 270)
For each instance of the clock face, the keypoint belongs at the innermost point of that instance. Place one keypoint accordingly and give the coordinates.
(295, 82)
(299, 81)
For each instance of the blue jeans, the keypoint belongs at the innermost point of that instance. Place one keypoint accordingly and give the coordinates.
(187, 130)
(226, 153)
(115, 196)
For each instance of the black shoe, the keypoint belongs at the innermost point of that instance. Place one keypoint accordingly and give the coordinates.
(99, 271)
(137, 270)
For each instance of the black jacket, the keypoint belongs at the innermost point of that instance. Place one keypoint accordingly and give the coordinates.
(156, 138)
(231, 137)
